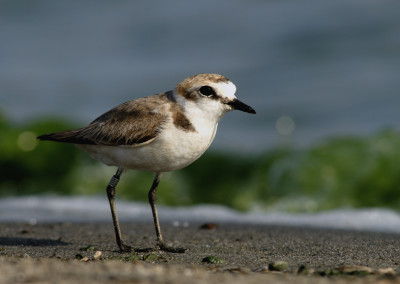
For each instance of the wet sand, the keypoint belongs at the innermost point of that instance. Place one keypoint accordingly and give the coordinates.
(68, 252)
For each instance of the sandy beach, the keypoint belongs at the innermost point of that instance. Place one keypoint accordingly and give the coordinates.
(71, 252)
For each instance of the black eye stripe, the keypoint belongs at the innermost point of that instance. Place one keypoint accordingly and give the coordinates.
(207, 91)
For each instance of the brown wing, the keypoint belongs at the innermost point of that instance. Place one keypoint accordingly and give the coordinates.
(131, 123)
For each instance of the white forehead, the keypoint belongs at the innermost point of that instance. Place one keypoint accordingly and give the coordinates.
(224, 89)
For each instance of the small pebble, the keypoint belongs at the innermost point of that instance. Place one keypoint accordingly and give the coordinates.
(386, 271)
(97, 255)
(356, 270)
(278, 265)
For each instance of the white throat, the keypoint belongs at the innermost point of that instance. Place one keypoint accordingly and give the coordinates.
(200, 115)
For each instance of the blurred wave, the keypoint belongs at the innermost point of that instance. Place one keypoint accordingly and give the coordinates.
(40, 209)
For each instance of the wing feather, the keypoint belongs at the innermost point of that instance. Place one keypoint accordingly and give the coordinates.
(131, 123)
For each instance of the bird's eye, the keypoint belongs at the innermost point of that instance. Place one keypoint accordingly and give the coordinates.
(207, 91)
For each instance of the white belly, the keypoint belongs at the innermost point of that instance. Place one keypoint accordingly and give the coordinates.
(172, 149)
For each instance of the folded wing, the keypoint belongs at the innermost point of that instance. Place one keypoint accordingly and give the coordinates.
(132, 123)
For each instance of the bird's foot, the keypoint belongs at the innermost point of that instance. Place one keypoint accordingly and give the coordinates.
(125, 248)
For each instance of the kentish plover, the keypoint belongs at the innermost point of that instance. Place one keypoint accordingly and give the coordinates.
(159, 133)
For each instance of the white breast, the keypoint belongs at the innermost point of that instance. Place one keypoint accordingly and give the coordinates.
(171, 150)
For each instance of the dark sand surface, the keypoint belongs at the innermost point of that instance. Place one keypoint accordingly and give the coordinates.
(49, 253)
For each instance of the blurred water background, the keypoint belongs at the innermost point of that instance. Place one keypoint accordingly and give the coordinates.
(324, 77)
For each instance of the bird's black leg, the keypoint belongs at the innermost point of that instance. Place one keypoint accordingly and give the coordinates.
(111, 198)
(152, 201)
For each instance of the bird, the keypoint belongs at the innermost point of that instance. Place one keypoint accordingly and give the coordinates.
(159, 133)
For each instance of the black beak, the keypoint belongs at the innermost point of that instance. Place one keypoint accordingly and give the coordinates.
(236, 104)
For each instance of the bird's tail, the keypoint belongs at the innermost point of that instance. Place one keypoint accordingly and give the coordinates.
(69, 136)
